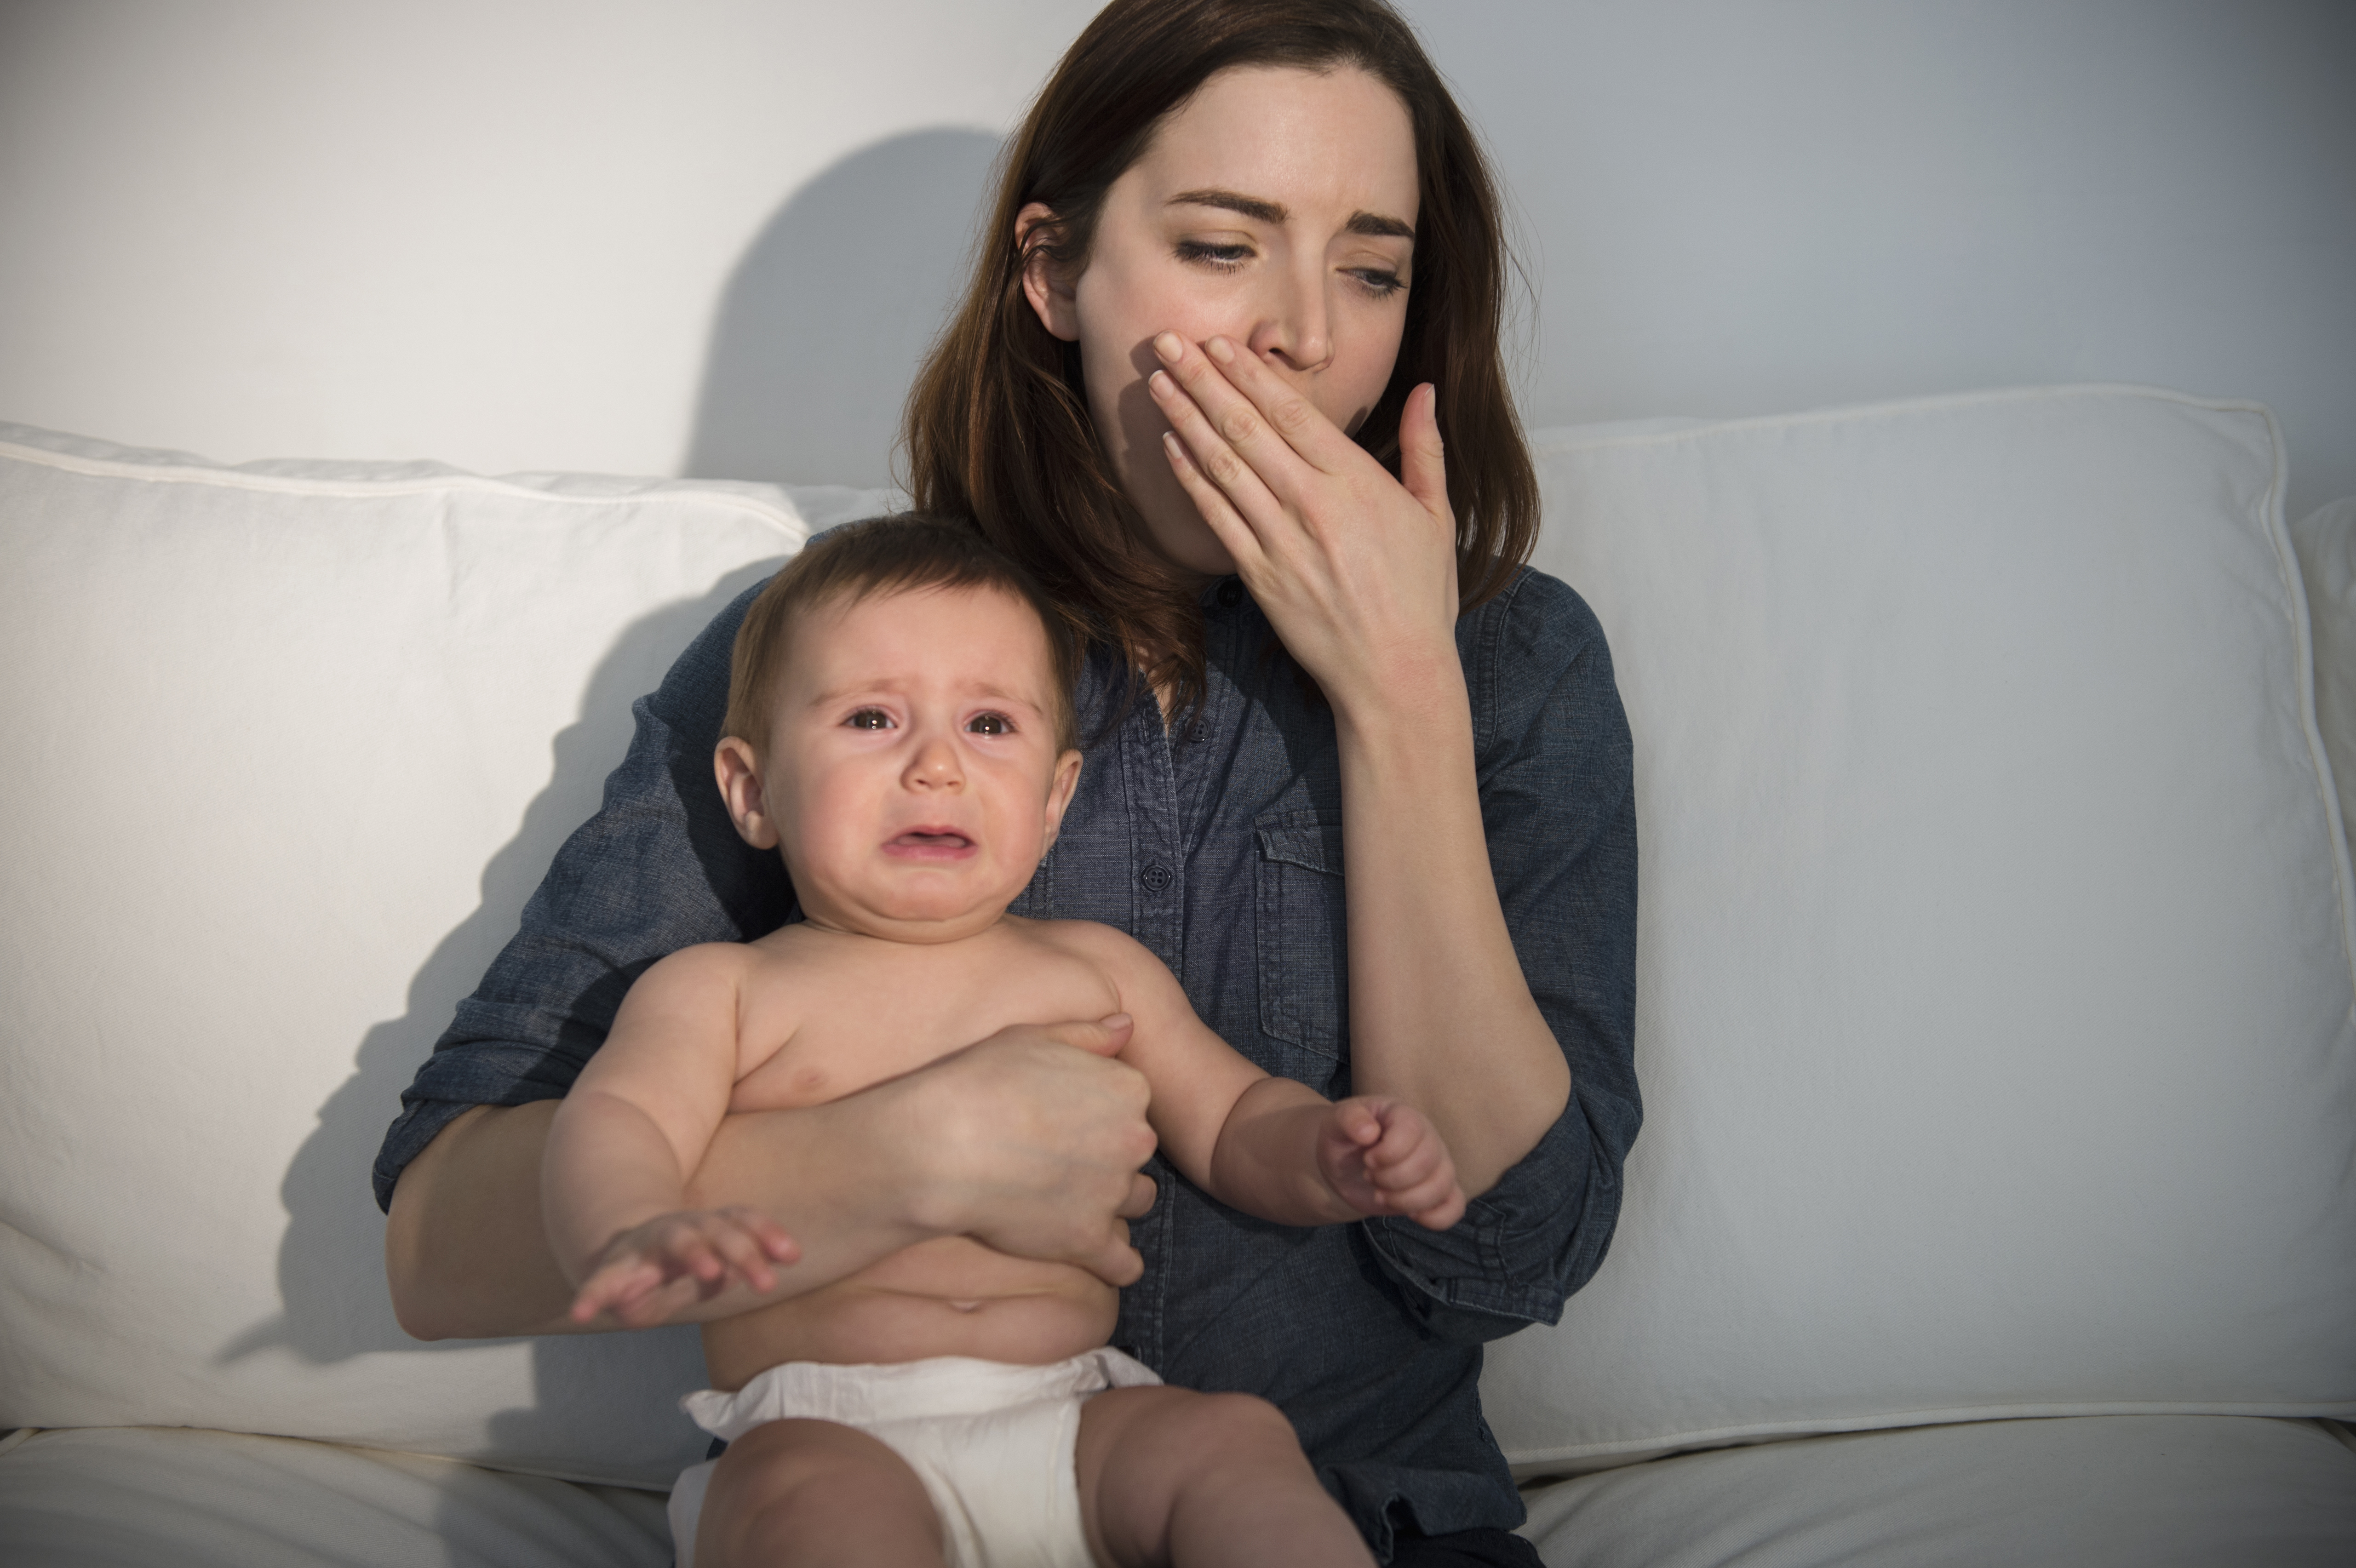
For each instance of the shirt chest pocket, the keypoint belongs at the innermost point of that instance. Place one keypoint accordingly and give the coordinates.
(1304, 949)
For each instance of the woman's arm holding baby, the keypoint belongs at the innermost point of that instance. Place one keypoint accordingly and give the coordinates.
(1029, 1139)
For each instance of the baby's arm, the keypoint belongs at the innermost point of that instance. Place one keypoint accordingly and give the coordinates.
(1269, 1146)
(631, 1131)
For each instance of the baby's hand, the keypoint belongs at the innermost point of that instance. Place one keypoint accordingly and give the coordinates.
(701, 1251)
(1382, 1157)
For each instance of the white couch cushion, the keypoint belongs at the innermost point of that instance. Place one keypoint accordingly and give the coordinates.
(1994, 994)
(289, 746)
(137, 1497)
(2327, 558)
(2097, 1491)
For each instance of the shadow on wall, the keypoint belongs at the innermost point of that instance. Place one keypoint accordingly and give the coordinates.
(821, 326)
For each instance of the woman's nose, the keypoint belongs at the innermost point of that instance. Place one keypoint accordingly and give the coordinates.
(1296, 331)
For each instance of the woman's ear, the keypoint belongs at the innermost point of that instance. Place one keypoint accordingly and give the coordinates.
(739, 772)
(1045, 284)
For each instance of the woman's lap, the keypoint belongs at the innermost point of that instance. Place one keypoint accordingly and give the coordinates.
(1485, 1547)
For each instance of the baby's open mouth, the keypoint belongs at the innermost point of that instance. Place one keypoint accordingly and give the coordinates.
(932, 838)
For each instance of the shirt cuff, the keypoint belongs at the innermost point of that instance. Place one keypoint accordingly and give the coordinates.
(1516, 1256)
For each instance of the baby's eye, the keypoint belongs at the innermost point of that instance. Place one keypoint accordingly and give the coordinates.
(990, 724)
(870, 719)
(1225, 258)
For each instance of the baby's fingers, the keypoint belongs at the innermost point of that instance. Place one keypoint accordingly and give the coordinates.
(1360, 1121)
(748, 1241)
(616, 1287)
(1397, 1164)
(776, 1244)
(1436, 1205)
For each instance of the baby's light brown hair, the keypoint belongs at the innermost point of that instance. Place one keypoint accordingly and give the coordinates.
(884, 555)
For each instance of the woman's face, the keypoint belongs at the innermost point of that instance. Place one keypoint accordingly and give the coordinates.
(1276, 208)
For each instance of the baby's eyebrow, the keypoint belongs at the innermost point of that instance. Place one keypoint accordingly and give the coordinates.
(858, 688)
(863, 690)
(999, 694)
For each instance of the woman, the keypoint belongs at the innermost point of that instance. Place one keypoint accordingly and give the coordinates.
(1245, 268)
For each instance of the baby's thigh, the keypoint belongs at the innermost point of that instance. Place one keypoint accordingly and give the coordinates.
(1149, 1456)
(814, 1492)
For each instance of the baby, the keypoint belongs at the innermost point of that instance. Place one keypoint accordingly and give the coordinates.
(900, 726)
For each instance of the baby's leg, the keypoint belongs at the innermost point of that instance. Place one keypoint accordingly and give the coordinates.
(1203, 1480)
(812, 1494)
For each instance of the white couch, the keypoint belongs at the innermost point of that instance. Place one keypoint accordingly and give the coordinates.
(1997, 1198)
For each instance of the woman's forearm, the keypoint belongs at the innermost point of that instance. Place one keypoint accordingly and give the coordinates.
(1440, 1013)
(467, 1247)
(1029, 1140)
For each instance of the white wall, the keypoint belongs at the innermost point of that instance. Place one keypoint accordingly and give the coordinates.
(713, 237)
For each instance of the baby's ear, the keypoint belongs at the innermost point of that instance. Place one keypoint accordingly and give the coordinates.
(1059, 796)
(739, 773)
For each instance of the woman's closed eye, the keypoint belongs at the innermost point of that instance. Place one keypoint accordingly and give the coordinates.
(1218, 255)
(1379, 282)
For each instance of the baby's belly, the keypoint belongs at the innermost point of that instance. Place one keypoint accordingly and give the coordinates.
(948, 1297)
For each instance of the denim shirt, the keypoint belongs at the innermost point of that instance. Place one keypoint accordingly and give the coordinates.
(1218, 844)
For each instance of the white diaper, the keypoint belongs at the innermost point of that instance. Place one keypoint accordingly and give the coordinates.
(992, 1442)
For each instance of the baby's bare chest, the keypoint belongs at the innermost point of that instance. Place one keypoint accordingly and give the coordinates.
(824, 1024)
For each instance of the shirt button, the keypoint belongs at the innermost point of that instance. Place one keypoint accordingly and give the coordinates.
(1231, 594)
(1194, 732)
(1156, 877)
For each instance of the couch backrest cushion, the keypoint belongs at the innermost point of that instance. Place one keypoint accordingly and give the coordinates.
(2326, 538)
(1994, 999)
(288, 746)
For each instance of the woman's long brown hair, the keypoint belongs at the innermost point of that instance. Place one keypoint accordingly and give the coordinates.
(997, 426)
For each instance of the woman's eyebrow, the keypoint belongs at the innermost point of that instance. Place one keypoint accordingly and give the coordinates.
(1251, 206)
(1369, 223)
(1377, 224)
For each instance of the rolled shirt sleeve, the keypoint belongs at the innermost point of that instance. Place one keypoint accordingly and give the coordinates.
(1558, 803)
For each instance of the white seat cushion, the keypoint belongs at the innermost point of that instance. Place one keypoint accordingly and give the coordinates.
(2173, 1491)
(140, 1497)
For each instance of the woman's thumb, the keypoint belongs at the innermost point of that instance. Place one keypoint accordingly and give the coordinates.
(1423, 467)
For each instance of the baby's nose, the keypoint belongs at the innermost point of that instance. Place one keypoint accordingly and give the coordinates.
(935, 767)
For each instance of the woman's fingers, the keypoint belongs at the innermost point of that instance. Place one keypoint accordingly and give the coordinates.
(1228, 525)
(1423, 465)
(1262, 417)
(1231, 495)
(1045, 1146)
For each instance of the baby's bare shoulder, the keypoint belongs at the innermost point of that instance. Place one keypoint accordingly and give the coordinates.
(705, 967)
(1126, 964)
(1088, 940)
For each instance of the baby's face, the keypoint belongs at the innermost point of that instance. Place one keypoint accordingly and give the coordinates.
(913, 777)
